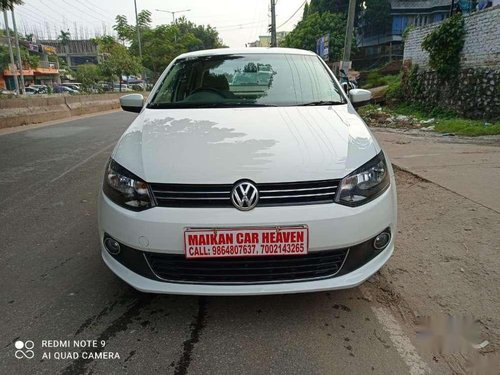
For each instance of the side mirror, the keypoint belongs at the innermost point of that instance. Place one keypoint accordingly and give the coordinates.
(360, 96)
(132, 102)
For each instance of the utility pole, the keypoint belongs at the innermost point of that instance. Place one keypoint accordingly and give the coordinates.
(348, 35)
(138, 31)
(7, 33)
(274, 43)
(139, 44)
(19, 61)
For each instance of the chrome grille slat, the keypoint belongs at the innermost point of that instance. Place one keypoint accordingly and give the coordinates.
(271, 194)
(189, 198)
(296, 196)
(190, 192)
(291, 190)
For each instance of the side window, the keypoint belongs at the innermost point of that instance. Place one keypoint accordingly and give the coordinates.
(168, 88)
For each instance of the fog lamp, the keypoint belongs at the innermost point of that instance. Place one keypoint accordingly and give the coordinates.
(112, 246)
(382, 240)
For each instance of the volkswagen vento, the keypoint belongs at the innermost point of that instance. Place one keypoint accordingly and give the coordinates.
(247, 172)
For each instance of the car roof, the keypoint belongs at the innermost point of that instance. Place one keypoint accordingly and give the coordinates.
(250, 50)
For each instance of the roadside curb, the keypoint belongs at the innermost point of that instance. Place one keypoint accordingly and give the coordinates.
(21, 128)
(421, 178)
(33, 110)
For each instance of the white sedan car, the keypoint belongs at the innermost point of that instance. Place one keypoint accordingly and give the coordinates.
(214, 190)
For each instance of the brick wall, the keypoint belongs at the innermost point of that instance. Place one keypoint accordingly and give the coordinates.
(482, 42)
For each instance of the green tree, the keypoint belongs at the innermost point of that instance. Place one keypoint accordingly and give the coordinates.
(88, 75)
(332, 6)
(376, 17)
(117, 60)
(4, 57)
(29, 60)
(127, 32)
(160, 45)
(306, 10)
(9, 4)
(444, 45)
(64, 37)
(315, 25)
(123, 29)
(144, 19)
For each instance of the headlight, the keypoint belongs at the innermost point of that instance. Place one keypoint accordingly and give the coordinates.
(126, 189)
(365, 183)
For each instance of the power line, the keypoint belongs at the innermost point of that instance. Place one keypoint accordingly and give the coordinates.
(83, 11)
(101, 13)
(293, 15)
(235, 26)
(40, 13)
(93, 4)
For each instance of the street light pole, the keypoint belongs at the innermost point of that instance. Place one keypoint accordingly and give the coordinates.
(173, 12)
(139, 43)
(7, 33)
(274, 42)
(349, 35)
(19, 61)
(173, 16)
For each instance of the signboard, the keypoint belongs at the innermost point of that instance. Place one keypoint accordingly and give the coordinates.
(323, 47)
(33, 47)
(49, 50)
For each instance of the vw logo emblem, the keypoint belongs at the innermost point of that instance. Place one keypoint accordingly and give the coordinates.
(244, 196)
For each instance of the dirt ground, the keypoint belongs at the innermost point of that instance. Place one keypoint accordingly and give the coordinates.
(446, 264)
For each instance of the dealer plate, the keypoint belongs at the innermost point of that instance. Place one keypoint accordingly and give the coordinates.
(245, 242)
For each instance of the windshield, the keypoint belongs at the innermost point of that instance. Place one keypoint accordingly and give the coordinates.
(247, 80)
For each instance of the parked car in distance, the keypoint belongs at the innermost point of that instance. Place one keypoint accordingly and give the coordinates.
(124, 88)
(251, 185)
(73, 86)
(65, 90)
(30, 90)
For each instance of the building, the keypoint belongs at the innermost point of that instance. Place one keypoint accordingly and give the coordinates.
(378, 49)
(75, 52)
(46, 73)
(265, 40)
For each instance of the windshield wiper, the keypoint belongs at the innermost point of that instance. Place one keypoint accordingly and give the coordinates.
(234, 105)
(321, 102)
(206, 105)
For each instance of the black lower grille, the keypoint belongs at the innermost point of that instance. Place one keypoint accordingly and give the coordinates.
(247, 270)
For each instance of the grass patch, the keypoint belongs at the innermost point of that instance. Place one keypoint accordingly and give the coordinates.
(445, 121)
(376, 79)
(448, 121)
(467, 127)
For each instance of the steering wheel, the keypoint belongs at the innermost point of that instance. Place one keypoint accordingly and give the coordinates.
(209, 89)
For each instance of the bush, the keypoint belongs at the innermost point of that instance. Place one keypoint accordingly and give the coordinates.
(376, 79)
(394, 91)
(444, 45)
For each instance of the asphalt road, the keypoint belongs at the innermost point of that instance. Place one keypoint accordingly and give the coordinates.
(54, 286)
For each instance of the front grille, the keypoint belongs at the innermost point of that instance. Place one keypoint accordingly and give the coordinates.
(247, 270)
(274, 194)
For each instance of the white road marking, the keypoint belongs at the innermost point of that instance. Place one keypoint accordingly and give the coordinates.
(39, 187)
(401, 342)
(414, 156)
(83, 162)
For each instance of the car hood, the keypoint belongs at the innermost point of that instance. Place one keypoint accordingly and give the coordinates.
(224, 145)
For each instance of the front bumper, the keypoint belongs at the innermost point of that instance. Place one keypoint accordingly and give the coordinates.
(349, 280)
(331, 226)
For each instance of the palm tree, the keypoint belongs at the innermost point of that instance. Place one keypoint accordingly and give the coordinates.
(64, 37)
(9, 4)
